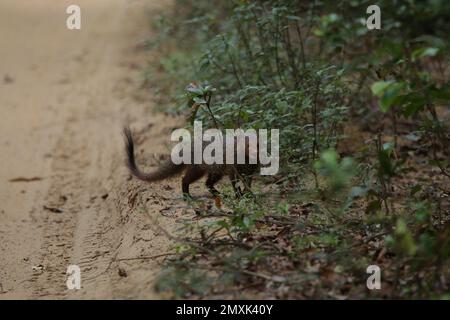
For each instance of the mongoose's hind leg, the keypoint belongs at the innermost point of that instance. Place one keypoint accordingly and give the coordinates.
(192, 174)
(213, 178)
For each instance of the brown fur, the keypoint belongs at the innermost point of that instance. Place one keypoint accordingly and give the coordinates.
(193, 172)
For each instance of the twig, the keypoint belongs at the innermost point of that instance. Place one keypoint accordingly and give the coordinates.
(366, 241)
(148, 257)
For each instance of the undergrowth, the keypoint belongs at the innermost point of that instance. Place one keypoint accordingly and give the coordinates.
(363, 119)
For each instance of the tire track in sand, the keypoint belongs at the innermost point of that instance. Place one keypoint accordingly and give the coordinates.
(95, 95)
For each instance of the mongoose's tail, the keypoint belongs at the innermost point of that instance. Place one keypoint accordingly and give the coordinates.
(166, 170)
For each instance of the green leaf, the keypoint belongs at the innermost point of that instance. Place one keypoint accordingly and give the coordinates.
(401, 227)
(386, 167)
(405, 238)
(357, 192)
(223, 224)
(294, 18)
(389, 146)
(412, 137)
(390, 95)
(199, 100)
(431, 40)
(441, 94)
(413, 107)
(424, 52)
(246, 222)
(195, 90)
(379, 87)
(319, 33)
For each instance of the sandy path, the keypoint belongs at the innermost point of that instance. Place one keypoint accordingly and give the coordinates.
(64, 97)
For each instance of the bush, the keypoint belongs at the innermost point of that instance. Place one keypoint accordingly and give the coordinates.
(314, 70)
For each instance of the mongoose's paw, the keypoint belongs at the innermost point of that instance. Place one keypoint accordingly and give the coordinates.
(218, 202)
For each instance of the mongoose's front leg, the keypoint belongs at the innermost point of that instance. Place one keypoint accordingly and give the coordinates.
(212, 179)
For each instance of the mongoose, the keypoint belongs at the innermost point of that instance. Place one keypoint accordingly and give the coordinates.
(193, 172)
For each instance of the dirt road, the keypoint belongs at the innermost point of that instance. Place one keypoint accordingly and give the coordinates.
(65, 196)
